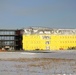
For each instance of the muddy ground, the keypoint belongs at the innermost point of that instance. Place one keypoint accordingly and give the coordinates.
(37, 66)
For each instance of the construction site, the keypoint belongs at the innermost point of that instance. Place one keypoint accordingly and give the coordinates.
(37, 51)
(37, 38)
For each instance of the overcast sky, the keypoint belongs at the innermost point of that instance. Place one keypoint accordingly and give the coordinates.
(44, 13)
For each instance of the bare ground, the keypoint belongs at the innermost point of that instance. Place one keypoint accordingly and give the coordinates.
(37, 66)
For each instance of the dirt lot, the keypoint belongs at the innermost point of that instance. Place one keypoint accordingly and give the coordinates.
(37, 66)
(33, 63)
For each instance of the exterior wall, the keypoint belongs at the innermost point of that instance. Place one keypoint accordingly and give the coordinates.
(63, 42)
(49, 42)
(36, 42)
(10, 39)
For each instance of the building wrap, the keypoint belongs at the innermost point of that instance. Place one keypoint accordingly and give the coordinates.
(38, 38)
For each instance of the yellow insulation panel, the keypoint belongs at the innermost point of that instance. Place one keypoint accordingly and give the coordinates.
(48, 42)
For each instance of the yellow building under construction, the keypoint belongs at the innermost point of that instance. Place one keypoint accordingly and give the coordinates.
(37, 38)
